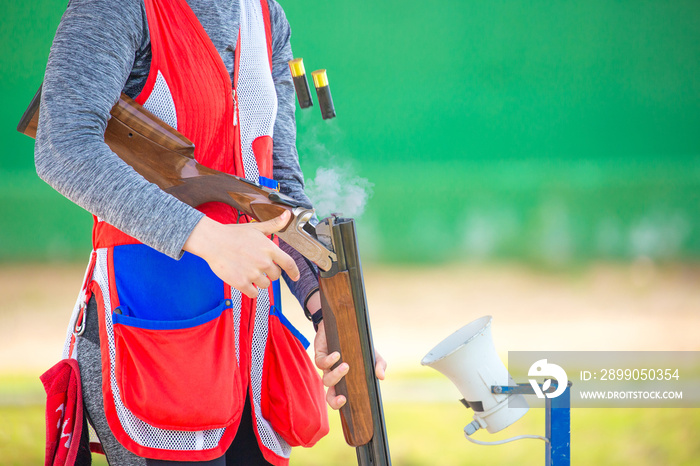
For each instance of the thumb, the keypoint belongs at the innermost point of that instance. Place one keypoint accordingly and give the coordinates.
(274, 224)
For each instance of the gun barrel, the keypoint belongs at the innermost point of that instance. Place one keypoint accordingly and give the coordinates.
(363, 416)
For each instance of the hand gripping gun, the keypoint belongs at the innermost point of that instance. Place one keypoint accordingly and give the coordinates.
(165, 157)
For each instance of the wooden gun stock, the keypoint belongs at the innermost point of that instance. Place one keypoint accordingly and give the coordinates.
(348, 332)
(165, 157)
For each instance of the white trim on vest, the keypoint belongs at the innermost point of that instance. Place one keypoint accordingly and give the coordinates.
(266, 433)
(236, 298)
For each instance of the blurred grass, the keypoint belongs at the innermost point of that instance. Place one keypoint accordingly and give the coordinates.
(425, 434)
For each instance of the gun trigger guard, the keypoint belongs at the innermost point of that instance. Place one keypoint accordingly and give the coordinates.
(308, 246)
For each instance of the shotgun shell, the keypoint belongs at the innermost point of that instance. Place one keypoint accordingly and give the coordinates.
(301, 85)
(323, 92)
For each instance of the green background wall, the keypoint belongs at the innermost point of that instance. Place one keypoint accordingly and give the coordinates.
(542, 131)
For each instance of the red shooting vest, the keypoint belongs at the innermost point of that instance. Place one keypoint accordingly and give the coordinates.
(174, 389)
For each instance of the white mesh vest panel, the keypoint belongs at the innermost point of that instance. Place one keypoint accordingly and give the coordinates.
(257, 99)
(267, 435)
(257, 103)
(160, 102)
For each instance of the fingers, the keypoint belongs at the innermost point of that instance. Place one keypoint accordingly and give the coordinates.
(330, 380)
(380, 366)
(335, 401)
(321, 349)
(265, 278)
(273, 225)
(326, 361)
(247, 289)
(330, 377)
(262, 281)
(286, 263)
(272, 272)
(281, 258)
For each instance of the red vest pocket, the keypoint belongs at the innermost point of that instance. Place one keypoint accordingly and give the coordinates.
(180, 375)
(293, 398)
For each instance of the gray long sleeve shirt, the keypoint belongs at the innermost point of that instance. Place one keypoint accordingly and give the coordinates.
(102, 48)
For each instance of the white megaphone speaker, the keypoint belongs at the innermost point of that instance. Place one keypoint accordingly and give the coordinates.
(468, 358)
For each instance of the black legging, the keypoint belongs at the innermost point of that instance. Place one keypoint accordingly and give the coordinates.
(244, 451)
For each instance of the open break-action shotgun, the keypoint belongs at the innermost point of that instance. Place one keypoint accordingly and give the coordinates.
(165, 157)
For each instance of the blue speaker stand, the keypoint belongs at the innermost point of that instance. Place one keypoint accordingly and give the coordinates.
(557, 421)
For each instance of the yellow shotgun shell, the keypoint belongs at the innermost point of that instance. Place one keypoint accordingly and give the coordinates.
(301, 85)
(296, 66)
(323, 92)
(320, 78)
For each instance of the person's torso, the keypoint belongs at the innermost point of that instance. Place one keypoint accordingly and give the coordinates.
(173, 76)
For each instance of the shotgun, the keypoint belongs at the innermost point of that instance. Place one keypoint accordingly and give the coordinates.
(165, 157)
(348, 331)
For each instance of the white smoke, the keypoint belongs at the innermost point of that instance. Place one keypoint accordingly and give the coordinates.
(338, 190)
